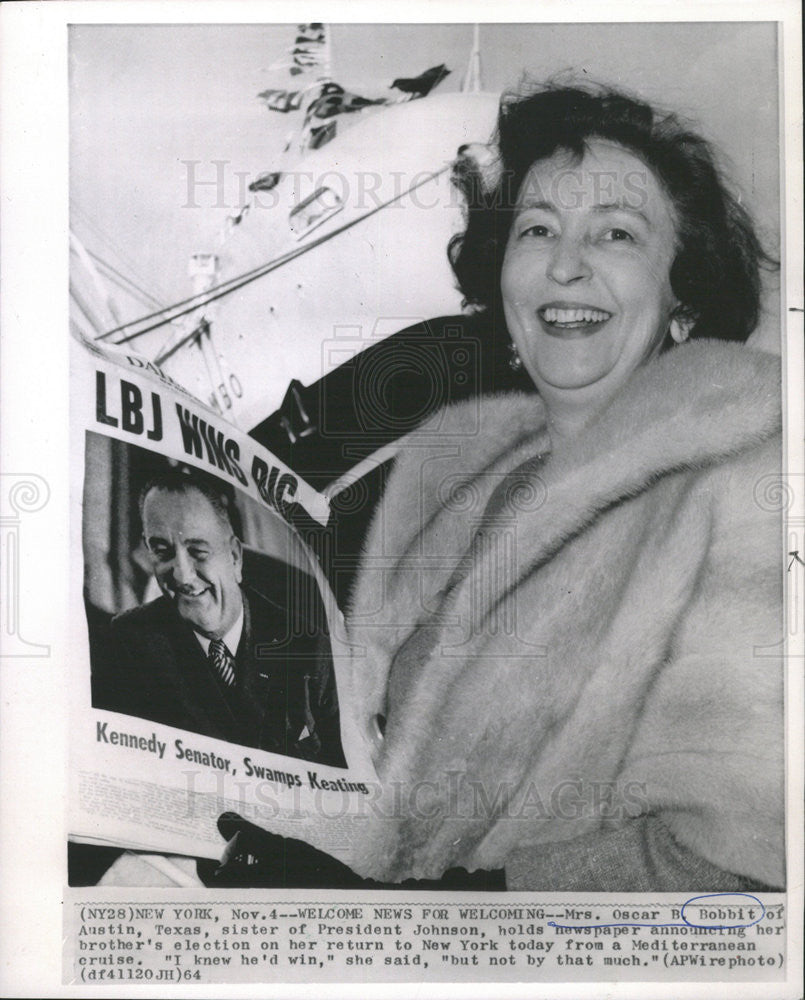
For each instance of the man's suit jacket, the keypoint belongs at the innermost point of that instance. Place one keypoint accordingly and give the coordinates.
(284, 699)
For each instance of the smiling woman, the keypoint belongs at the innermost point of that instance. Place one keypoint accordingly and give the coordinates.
(594, 592)
(586, 276)
(561, 678)
(714, 269)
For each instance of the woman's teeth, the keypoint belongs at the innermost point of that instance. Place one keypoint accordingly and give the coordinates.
(573, 317)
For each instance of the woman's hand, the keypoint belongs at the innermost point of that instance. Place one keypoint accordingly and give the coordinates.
(256, 858)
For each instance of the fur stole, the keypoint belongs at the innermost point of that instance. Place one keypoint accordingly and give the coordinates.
(559, 642)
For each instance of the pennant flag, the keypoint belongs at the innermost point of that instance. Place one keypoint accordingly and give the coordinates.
(422, 85)
(321, 135)
(303, 48)
(302, 61)
(267, 181)
(334, 100)
(314, 31)
(305, 56)
(282, 100)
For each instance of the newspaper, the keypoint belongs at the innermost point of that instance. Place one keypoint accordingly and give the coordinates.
(146, 794)
(137, 782)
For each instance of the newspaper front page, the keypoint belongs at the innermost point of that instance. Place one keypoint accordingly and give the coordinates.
(264, 331)
(137, 781)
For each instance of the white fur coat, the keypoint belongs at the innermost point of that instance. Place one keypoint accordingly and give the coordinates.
(594, 635)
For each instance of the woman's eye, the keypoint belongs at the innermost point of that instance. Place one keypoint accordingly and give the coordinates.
(539, 230)
(618, 235)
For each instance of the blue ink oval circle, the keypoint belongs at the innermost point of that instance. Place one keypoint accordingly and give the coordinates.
(733, 909)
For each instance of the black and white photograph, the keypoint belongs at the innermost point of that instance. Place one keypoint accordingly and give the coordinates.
(432, 501)
(194, 628)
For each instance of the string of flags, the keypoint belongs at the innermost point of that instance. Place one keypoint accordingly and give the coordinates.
(323, 100)
(334, 100)
(282, 100)
(329, 99)
(309, 50)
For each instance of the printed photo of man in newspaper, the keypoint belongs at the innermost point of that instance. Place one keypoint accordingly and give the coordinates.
(216, 654)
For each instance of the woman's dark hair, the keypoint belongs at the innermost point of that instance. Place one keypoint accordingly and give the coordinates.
(715, 275)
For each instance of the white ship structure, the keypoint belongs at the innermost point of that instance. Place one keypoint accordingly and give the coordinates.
(340, 243)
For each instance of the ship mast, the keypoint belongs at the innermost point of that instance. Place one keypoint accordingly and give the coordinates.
(472, 78)
(327, 63)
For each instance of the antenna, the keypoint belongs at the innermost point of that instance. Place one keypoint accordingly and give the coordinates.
(327, 67)
(472, 78)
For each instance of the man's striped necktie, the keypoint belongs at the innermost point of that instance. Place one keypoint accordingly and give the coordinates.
(222, 661)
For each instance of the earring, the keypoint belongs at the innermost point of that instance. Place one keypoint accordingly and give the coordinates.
(515, 361)
(680, 329)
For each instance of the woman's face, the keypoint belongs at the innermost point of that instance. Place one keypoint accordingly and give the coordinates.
(586, 275)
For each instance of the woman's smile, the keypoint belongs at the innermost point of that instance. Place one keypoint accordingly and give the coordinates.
(571, 320)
